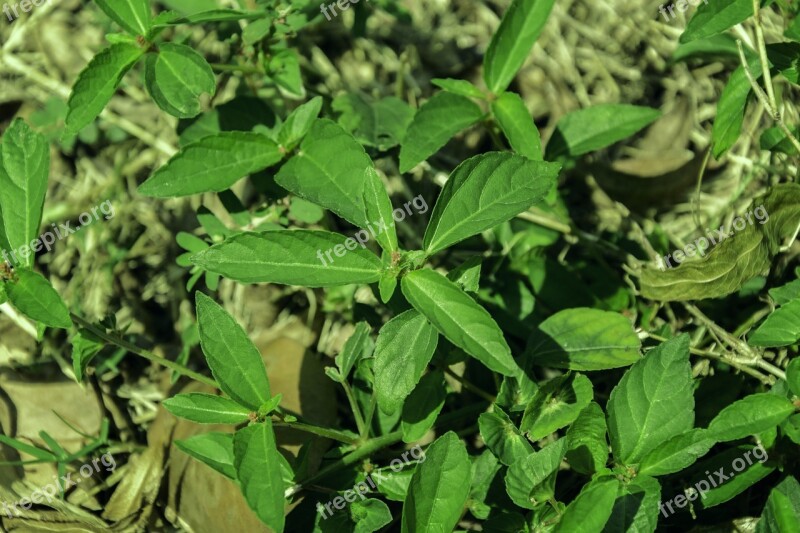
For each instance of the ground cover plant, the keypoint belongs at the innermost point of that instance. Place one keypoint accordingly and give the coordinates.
(330, 268)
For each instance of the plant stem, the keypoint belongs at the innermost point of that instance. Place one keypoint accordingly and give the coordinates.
(220, 67)
(362, 427)
(319, 431)
(180, 369)
(122, 343)
(762, 54)
(373, 445)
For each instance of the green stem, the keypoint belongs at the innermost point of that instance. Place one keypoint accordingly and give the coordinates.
(362, 427)
(180, 369)
(219, 67)
(122, 343)
(319, 431)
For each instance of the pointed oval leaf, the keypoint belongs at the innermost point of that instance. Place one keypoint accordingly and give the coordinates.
(355, 348)
(584, 339)
(378, 209)
(133, 15)
(483, 192)
(403, 350)
(531, 479)
(439, 487)
(298, 123)
(214, 449)
(517, 125)
(459, 318)
(24, 170)
(587, 448)
(502, 437)
(309, 258)
(590, 129)
(97, 83)
(329, 170)
(257, 463)
(510, 45)
(591, 509)
(653, 401)
(782, 510)
(234, 360)
(781, 328)
(636, 509)
(556, 404)
(423, 406)
(435, 123)
(749, 416)
(212, 164)
(176, 77)
(677, 453)
(32, 294)
(206, 408)
(715, 16)
(731, 107)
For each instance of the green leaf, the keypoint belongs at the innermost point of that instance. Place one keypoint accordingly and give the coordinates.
(370, 515)
(503, 437)
(212, 164)
(206, 408)
(97, 83)
(734, 260)
(257, 463)
(636, 508)
(42, 455)
(716, 46)
(24, 169)
(354, 349)
(556, 404)
(517, 125)
(715, 16)
(781, 328)
(653, 401)
(298, 123)
(531, 480)
(483, 192)
(591, 509)
(749, 416)
(423, 406)
(284, 69)
(467, 275)
(775, 140)
(793, 376)
(735, 481)
(439, 487)
(310, 258)
(214, 15)
(378, 208)
(435, 123)
(133, 15)
(85, 345)
(677, 453)
(731, 107)
(584, 339)
(33, 295)
(522, 24)
(599, 126)
(587, 448)
(234, 360)
(329, 170)
(786, 293)
(215, 449)
(782, 511)
(380, 124)
(459, 87)
(403, 350)
(176, 77)
(460, 319)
